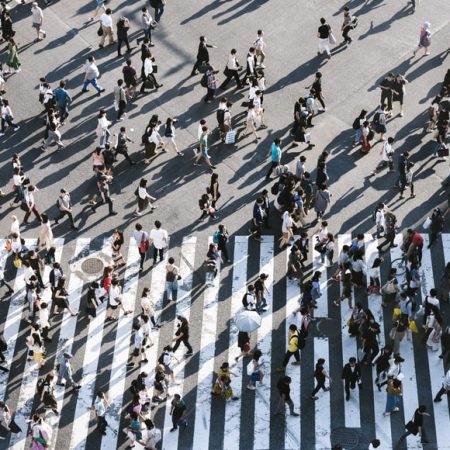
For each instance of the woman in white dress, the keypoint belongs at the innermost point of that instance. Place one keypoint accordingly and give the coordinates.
(45, 233)
(102, 128)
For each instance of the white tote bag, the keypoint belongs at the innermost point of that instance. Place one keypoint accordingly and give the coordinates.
(331, 39)
(427, 223)
(230, 138)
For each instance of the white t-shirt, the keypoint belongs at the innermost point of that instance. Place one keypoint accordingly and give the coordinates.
(287, 222)
(114, 295)
(148, 306)
(387, 150)
(100, 407)
(106, 20)
(379, 219)
(159, 237)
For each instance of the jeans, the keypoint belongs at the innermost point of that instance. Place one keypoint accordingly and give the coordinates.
(392, 401)
(63, 111)
(9, 121)
(224, 252)
(159, 11)
(104, 139)
(170, 287)
(94, 83)
(176, 421)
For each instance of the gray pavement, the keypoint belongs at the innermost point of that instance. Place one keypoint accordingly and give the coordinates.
(384, 40)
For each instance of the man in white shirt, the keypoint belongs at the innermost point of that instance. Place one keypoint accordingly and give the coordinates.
(231, 70)
(251, 61)
(31, 205)
(380, 220)
(107, 27)
(38, 18)
(259, 49)
(65, 208)
(387, 157)
(159, 239)
(100, 406)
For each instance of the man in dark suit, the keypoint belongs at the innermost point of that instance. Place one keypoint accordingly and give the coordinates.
(351, 374)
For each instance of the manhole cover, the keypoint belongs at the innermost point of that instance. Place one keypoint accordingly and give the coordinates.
(328, 327)
(92, 266)
(348, 438)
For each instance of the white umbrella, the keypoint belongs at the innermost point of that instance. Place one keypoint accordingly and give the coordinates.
(247, 321)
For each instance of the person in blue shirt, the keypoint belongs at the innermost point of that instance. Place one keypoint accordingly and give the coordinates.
(63, 99)
(257, 219)
(275, 155)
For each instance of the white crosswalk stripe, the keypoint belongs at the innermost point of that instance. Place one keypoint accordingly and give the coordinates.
(202, 429)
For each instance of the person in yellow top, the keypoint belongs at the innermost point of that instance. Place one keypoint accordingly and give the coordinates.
(394, 392)
(222, 385)
(295, 343)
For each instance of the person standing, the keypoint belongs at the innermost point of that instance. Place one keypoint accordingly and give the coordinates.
(321, 375)
(130, 77)
(445, 389)
(323, 33)
(232, 71)
(65, 371)
(91, 75)
(45, 233)
(63, 100)
(106, 24)
(415, 426)
(202, 55)
(38, 18)
(159, 238)
(65, 208)
(387, 86)
(275, 156)
(380, 221)
(172, 273)
(351, 374)
(182, 336)
(158, 6)
(178, 411)
(284, 389)
(100, 406)
(121, 145)
(123, 25)
(399, 91)
(437, 225)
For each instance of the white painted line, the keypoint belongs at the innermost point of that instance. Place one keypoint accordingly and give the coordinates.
(86, 395)
(382, 424)
(292, 435)
(262, 392)
(27, 392)
(183, 308)
(12, 323)
(410, 399)
(435, 364)
(349, 349)
(232, 429)
(67, 330)
(121, 348)
(322, 302)
(206, 365)
(322, 406)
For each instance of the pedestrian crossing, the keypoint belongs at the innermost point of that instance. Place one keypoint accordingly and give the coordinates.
(102, 349)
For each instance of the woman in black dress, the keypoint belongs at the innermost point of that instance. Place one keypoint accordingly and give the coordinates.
(399, 91)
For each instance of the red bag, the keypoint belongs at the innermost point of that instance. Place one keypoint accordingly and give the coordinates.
(144, 245)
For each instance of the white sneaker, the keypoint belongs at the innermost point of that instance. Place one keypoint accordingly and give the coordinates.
(252, 388)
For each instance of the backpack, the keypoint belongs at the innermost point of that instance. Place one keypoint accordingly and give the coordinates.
(216, 237)
(376, 118)
(245, 301)
(357, 124)
(275, 188)
(220, 116)
(204, 81)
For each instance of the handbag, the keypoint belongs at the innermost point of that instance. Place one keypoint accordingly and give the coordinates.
(413, 326)
(427, 223)
(100, 31)
(393, 332)
(443, 151)
(331, 39)
(389, 287)
(230, 138)
(155, 68)
(227, 72)
(307, 137)
(144, 244)
(17, 262)
(396, 314)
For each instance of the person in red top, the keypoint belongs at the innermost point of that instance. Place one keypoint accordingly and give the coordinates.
(415, 244)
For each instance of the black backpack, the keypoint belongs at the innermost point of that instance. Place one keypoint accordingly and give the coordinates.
(376, 118)
(275, 188)
(244, 300)
(204, 81)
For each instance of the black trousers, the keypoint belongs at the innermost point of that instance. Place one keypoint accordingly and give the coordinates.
(272, 166)
(158, 252)
(349, 384)
(223, 249)
(64, 213)
(185, 341)
(386, 95)
(142, 256)
(345, 35)
(197, 65)
(123, 152)
(101, 423)
(120, 41)
(441, 392)
(107, 200)
(320, 385)
(10, 289)
(233, 74)
(288, 355)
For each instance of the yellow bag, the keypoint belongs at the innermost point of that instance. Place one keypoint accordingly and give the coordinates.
(396, 314)
(413, 326)
(17, 262)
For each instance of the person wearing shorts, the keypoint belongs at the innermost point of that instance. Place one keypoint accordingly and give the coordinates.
(38, 18)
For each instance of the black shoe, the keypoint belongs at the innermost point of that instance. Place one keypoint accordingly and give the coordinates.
(347, 397)
(113, 213)
(436, 400)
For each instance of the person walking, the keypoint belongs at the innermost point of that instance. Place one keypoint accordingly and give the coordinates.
(30, 205)
(65, 372)
(6, 117)
(182, 336)
(387, 87)
(393, 394)
(178, 412)
(321, 375)
(100, 406)
(220, 238)
(254, 369)
(351, 374)
(148, 74)
(120, 99)
(7, 419)
(121, 145)
(211, 84)
(123, 25)
(52, 129)
(46, 390)
(12, 60)
(65, 208)
(144, 198)
(294, 346)
(284, 389)
(347, 26)
(445, 389)
(387, 157)
(160, 239)
(202, 150)
(415, 425)
(106, 24)
(169, 135)
(437, 225)
(232, 71)
(275, 156)
(202, 60)
(45, 233)
(172, 276)
(130, 78)
(323, 200)
(63, 100)
(323, 33)
(143, 242)
(38, 19)
(424, 39)
(91, 75)
(158, 6)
